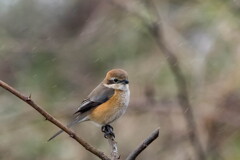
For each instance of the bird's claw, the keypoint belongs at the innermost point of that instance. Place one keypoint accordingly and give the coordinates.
(108, 131)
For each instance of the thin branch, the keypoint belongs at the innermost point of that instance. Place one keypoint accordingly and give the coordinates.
(109, 135)
(143, 145)
(50, 118)
(113, 144)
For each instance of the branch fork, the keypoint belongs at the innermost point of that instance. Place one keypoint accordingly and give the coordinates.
(109, 135)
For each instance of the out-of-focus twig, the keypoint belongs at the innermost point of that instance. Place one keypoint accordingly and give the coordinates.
(183, 96)
(143, 145)
(50, 118)
(155, 30)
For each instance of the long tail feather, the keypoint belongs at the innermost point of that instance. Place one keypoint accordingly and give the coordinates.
(68, 126)
(55, 135)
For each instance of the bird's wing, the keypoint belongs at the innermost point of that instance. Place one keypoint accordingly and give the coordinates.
(98, 96)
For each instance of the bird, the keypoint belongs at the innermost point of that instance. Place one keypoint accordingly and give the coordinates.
(105, 104)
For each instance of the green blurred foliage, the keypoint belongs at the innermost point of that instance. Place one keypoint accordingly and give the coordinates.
(58, 51)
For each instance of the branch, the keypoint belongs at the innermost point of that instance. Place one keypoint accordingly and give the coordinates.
(183, 96)
(155, 30)
(109, 135)
(143, 145)
(114, 148)
(50, 118)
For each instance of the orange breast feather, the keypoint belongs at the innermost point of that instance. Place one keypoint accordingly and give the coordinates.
(104, 113)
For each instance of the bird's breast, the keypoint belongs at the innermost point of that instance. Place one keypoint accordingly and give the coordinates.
(112, 109)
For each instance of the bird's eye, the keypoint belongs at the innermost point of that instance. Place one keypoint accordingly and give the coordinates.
(115, 80)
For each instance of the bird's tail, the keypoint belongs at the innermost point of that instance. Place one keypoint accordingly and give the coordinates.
(75, 121)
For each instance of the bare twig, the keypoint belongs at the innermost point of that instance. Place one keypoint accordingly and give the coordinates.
(50, 118)
(114, 149)
(143, 145)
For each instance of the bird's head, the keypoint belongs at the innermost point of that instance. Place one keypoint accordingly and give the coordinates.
(116, 79)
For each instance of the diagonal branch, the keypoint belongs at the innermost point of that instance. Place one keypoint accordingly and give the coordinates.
(183, 95)
(50, 118)
(143, 145)
(155, 30)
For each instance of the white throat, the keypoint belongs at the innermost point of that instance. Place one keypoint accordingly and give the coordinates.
(119, 86)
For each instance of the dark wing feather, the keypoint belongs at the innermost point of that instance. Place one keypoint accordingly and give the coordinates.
(98, 96)
(90, 105)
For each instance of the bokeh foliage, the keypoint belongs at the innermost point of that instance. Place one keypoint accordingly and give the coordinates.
(57, 51)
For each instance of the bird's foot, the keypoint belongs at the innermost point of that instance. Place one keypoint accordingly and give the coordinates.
(108, 131)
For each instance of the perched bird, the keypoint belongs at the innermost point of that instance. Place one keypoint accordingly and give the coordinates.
(106, 103)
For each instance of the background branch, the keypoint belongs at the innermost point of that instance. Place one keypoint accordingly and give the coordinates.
(143, 145)
(155, 30)
(50, 118)
(183, 96)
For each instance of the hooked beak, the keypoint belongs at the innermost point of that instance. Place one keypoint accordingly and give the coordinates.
(125, 81)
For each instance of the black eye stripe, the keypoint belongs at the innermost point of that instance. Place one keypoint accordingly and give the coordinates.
(116, 81)
(111, 81)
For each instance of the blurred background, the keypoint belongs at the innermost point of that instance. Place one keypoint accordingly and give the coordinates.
(58, 51)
